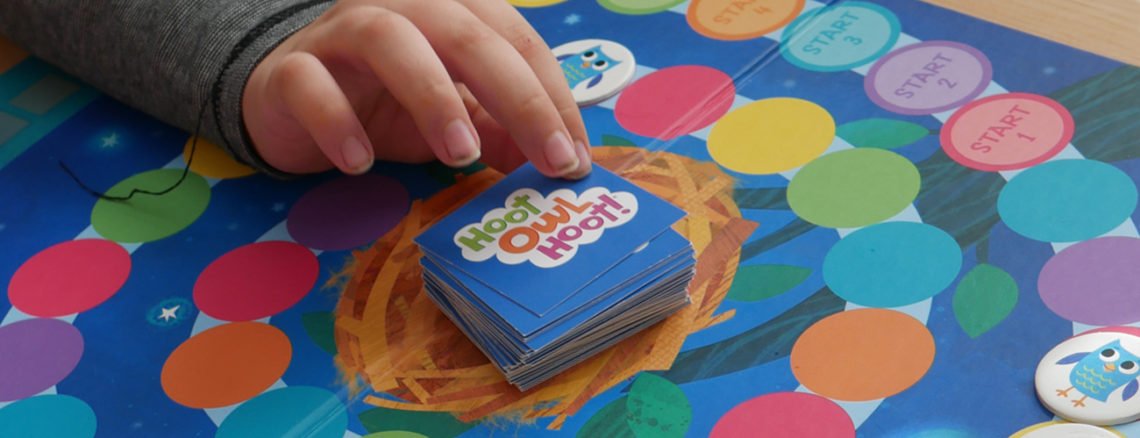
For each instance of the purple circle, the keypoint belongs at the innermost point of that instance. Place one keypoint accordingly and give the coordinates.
(348, 212)
(929, 77)
(35, 354)
(1094, 282)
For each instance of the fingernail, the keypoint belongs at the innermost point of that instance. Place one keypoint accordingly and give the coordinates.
(585, 162)
(560, 153)
(460, 143)
(356, 156)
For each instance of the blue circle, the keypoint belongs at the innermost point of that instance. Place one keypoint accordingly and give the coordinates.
(831, 15)
(290, 411)
(892, 264)
(1067, 200)
(61, 416)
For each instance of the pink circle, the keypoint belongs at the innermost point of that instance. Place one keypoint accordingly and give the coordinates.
(675, 101)
(348, 212)
(36, 354)
(928, 77)
(1007, 131)
(256, 280)
(785, 414)
(1094, 282)
(69, 277)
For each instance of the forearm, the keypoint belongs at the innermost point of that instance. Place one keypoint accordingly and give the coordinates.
(170, 59)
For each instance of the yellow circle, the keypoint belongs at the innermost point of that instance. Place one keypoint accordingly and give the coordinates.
(534, 3)
(211, 161)
(771, 135)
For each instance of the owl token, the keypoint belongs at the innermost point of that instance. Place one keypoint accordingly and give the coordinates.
(1058, 429)
(1093, 377)
(595, 69)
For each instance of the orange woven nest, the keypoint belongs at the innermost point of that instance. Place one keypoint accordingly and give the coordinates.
(391, 335)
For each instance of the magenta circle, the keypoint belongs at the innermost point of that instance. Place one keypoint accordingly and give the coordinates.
(785, 414)
(36, 354)
(964, 81)
(1094, 282)
(348, 212)
(675, 101)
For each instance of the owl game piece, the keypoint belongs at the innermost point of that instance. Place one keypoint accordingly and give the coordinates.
(1093, 377)
(596, 70)
(1057, 429)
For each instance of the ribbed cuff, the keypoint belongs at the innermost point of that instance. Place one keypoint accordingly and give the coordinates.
(226, 104)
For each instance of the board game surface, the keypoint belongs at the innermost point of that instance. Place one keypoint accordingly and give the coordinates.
(934, 201)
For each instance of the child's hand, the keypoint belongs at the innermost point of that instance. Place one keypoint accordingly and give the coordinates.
(409, 80)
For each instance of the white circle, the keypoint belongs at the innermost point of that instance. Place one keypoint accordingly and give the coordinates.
(596, 70)
(1069, 430)
(1078, 383)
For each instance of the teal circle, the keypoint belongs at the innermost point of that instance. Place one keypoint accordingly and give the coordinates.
(892, 264)
(290, 411)
(54, 415)
(1067, 200)
(812, 41)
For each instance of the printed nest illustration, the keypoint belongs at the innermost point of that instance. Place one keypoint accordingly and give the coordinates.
(392, 337)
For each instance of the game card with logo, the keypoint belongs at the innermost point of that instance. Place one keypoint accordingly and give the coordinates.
(667, 254)
(538, 240)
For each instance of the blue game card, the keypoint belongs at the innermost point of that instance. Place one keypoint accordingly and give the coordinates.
(649, 264)
(538, 241)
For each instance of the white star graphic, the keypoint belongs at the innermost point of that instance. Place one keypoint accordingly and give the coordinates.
(111, 140)
(169, 313)
(278, 207)
(572, 19)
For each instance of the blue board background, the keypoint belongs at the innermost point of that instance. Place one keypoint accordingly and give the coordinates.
(976, 387)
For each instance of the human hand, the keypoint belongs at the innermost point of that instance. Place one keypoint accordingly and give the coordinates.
(412, 81)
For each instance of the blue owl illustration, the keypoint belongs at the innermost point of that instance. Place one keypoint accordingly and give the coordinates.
(1100, 372)
(587, 65)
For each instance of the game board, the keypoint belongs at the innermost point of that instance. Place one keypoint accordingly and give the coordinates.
(925, 199)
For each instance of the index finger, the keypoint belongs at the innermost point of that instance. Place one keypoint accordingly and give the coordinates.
(508, 22)
(500, 79)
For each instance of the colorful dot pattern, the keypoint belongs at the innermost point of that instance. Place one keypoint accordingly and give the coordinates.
(790, 138)
(221, 366)
(1047, 130)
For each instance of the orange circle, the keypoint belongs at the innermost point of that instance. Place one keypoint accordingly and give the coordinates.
(212, 161)
(863, 354)
(226, 364)
(735, 20)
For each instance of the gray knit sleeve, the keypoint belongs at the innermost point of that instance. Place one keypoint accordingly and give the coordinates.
(167, 58)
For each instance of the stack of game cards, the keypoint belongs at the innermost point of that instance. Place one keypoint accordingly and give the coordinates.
(543, 273)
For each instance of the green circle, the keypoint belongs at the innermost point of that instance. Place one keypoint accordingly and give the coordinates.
(853, 188)
(638, 7)
(145, 217)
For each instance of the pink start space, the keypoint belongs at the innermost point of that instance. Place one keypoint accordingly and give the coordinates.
(1006, 132)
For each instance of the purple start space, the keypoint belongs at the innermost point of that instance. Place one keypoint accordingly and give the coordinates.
(928, 77)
